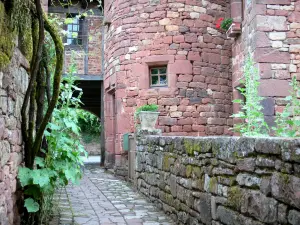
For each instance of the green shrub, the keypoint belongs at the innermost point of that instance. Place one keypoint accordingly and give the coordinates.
(253, 118)
(288, 122)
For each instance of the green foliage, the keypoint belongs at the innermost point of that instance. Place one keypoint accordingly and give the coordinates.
(288, 122)
(62, 162)
(31, 205)
(88, 122)
(251, 113)
(151, 108)
(226, 23)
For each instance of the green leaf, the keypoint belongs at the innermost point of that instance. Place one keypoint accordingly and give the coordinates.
(39, 161)
(31, 205)
(237, 101)
(41, 177)
(34, 191)
(24, 176)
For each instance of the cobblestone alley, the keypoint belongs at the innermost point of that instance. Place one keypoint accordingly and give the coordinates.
(104, 199)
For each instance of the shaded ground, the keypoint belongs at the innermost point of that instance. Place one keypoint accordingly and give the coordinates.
(101, 198)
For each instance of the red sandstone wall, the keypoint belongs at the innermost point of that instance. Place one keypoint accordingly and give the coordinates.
(13, 85)
(182, 35)
(271, 33)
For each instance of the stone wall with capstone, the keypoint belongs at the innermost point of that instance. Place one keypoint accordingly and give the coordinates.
(13, 85)
(221, 180)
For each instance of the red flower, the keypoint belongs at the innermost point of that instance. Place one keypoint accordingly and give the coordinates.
(219, 22)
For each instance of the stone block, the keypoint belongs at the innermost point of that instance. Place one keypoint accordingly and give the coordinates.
(294, 217)
(268, 106)
(270, 23)
(247, 164)
(203, 206)
(277, 36)
(248, 180)
(274, 88)
(260, 207)
(269, 55)
(282, 214)
(181, 67)
(286, 188)
(4, 152)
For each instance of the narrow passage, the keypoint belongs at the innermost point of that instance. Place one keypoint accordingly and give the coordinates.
(104, 199)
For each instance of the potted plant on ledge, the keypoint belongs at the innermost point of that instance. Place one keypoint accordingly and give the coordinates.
(148, 115)
(232, 28)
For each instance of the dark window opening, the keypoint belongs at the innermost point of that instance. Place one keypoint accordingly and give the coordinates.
(158, 76)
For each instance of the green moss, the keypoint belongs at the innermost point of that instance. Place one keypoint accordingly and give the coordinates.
(15, 21)
(26, 45)
(188, 171)
(213, 185)
(7, 37)
(235, 197)
(188, 147)
(4, 60)
(166, 162)
(191, 147)
(285, 178)
(197, 171)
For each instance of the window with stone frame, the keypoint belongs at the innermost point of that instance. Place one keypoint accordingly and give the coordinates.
(158, 76)
(75, 31)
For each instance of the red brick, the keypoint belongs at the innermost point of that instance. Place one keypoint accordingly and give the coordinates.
(194, 56)
(198, 128)
(176, 129)
(294, 17)
(178, 39)
(186, 121)
(166, 120)
(186, 78)
(187, 128)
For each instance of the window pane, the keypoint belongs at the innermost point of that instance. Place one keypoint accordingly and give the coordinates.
(154, 80)
(163, 70)
(75, 28)
(163, 80)
(79, 41)
(69, 27)
(154, 71)
(69, 41)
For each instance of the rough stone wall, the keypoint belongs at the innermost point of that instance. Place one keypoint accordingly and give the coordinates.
(221, 180)
(180, 34)
(13, 85)
(270, 31)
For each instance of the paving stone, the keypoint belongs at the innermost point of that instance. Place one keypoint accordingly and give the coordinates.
(101, 198)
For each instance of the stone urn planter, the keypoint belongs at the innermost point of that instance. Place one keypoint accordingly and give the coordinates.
(148, 119)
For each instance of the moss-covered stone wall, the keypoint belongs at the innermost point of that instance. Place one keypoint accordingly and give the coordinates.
(221, 180)
(15, 53)
(15, 30)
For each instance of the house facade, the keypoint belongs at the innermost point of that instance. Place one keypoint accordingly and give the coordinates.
(170, 53)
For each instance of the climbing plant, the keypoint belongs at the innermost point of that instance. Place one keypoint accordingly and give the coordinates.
(253, 123)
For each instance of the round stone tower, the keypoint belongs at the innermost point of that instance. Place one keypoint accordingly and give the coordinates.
(166, 52)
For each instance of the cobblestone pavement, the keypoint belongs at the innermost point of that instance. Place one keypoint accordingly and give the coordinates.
(104, 199)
